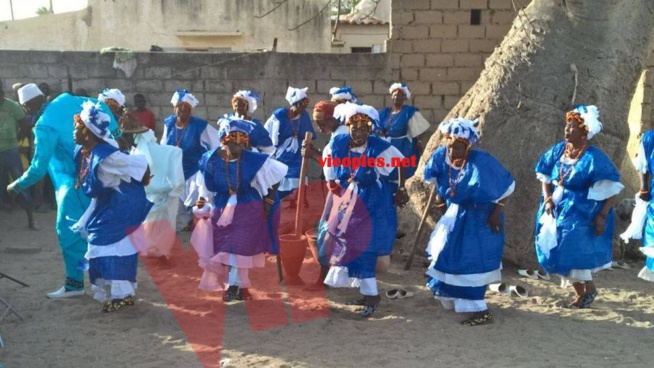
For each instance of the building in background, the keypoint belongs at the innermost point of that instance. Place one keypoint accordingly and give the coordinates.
(365, 29)
(176, 25)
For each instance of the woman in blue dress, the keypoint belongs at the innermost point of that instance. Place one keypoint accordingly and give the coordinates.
(361, 224)
(240, 184)
(194, 136)
(403, 126)
(579, 185)
(287, 127)
(644, 163)
(115, 183)
(244, 104)
(466, 246)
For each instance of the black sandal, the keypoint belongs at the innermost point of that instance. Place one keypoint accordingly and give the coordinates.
(587, 300)
(371, 303)
(230, 294)
(478, 318)
(116, 304)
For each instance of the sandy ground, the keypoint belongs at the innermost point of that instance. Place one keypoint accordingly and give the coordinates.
(173, 320)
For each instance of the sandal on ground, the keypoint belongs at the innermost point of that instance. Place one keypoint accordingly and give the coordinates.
(243, 294)
(371, 303)
(478, 318)
(230, 294)
(116, 304)
(518, 290)
(532, 274)
(620, 264)
(587, 299)
(398, 294)
(501, 288)
(573, 305)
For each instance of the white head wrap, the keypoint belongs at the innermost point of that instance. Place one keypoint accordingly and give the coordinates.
(114, 94)
(401, 86)
(343, 93)
(182, 95)
(590, 114)
(28, 92)
(461, 128)
(343, 112)
(295, 95)
(97, 122)
(249, 96)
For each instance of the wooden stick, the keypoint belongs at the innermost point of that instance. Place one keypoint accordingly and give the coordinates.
(432, 194)
(301, 190)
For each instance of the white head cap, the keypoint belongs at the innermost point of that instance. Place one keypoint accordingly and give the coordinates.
(251, 98)
(402, 87)
(343, 112)
(295, 95)
(113, 94)
(28, 92)
(182, 95)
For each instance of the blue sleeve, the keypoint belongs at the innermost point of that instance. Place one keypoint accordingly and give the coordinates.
(431, 170)
(260, 136)
(45, 143)
(648, 145)
(602, 168)
(548, 160)
(493, 178)
(207, 168)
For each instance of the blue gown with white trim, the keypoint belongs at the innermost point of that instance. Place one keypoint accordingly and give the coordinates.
(396, 126)
(189, 141)
(471, 247)
(577, 246)
(287, 129)
(117, 214)
(372, 228)
(247, 234)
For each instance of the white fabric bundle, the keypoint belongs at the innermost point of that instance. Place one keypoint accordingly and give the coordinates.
(443, 227)
(638, 218)
(228, 212)
(546, 239)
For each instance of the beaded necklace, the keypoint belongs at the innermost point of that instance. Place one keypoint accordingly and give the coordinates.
(349, 155)
(178, 138)
(238, 175)
(568, 153)
(389, 121)
(85, 165)
(454, 183)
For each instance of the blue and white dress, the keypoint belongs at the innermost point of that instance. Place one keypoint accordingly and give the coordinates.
(644, 163)
(287, 135)
(361, 222)
(195, 139)
(113, 220)
(242, 241)
(580, 188)
(465, 254)
(402, 130)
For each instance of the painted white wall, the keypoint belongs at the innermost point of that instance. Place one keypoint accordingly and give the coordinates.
(225, 24)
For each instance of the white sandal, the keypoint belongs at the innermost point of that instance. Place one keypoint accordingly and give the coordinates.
(529, 273)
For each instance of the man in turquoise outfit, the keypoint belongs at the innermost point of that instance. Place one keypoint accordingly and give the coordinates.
(54, 146)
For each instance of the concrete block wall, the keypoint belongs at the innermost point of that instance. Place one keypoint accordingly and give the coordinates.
(212, 78)
(435, 48)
